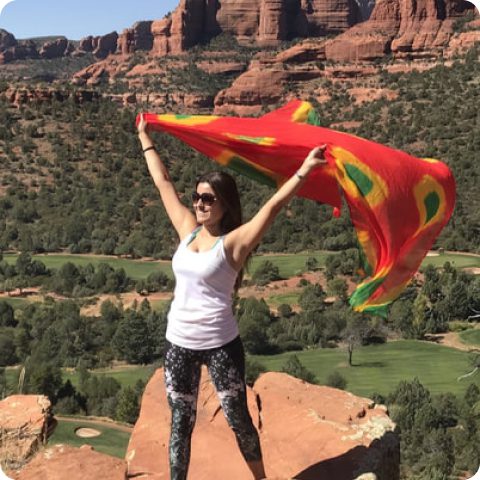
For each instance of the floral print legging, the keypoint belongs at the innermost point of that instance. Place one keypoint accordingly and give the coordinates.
(226, 366)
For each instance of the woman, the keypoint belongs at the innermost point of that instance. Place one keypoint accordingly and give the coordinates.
(214, 245)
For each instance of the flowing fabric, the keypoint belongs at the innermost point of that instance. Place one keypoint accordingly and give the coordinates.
(398, 203)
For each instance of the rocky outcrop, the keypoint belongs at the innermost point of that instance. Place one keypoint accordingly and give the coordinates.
(24, 423)
(101, 46)
(63, 462)
(139, 37)
(262, 84)
(60, 47)
(404, 28)
(306, 430)
(265, 22)
(22, 96)
(7, 40)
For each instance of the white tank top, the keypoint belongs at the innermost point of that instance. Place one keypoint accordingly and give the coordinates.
(201, 314)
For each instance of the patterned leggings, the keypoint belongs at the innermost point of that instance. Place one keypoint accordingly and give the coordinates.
(226, 366)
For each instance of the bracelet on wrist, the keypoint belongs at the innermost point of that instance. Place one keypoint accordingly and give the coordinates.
(151, 147)
(299, 175)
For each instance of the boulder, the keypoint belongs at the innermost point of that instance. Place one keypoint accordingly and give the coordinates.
(24, 424)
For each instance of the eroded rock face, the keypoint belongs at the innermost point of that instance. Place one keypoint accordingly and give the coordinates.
(139, 37)
(264, 22)
(63, 462)
(22, 96)
(263, 83)
(337, 434)
(24, 423)
(60, 47)
(405, 28)
(105, 44)
(318, 432)
(6, 40)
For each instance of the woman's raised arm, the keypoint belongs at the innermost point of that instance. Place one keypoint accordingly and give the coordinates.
(241, 241)
(181, 217)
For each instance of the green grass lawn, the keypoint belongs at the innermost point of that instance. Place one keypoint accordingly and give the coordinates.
(460, 260)
(289, 265)
(379, 368)
(126, 376)
(135, 269)
(288, 298)
(15, 302)
(158, 305)
(111, 441)
(470, 337)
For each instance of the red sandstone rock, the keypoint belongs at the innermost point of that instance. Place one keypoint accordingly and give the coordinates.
(364, 95)
(6, 40)
(407, 28)
(318, 432)
(306, 51)
(265, 22)
(11, 49)
(261, 84)
(462, 42)
(63, 462)
(21, 96)
(215, 454)
(24, 421)
(56, 48)
(139, 37)
(220, 67)
(104, 45)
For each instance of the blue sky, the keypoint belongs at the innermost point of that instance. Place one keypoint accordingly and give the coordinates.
(78, 18)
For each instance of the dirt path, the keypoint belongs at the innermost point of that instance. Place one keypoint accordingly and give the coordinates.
(96, 421)
(451, 339)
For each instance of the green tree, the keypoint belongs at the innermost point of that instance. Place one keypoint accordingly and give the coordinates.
(265, 273)
(295, 368)
(337, 380)
(7, 316)
(253, 369)
(132, 340)
(355, 333)
(254, 319)
(128, 407)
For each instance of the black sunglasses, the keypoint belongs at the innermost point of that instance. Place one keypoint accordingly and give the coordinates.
(208, 199)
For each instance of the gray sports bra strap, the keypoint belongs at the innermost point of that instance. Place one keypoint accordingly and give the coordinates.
(193, 235)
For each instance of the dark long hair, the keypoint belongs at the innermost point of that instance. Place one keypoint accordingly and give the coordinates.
(226, 191)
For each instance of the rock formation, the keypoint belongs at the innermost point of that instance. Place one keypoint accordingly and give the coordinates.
(405, 28)
(308, 430)
(22, 96)
(139, 37)
(24, 424)
(101, 46)
(56, 49)
(62, 462)
(265, 22)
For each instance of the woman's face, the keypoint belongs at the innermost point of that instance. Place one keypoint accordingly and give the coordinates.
(208, 208)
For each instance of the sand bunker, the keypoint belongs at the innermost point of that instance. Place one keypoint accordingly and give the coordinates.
(87, 432)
